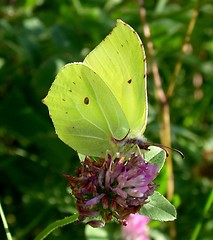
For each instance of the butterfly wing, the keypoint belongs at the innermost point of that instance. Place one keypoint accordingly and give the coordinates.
(120, 62)
(85, 113)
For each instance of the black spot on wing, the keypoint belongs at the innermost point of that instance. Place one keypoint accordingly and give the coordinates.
(86, 100)
(129, 81)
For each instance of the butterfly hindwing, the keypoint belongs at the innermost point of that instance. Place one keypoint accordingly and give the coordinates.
(85, 113)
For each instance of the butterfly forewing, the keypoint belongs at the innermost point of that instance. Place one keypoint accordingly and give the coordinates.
(120, 62)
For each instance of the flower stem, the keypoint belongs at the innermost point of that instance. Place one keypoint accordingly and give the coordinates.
(55, 225)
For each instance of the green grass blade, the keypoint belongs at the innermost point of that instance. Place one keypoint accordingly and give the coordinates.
(205, 210)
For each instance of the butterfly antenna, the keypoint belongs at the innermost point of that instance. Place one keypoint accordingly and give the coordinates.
(165, 148)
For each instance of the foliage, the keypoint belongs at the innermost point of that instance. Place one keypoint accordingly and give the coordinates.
(39, 37)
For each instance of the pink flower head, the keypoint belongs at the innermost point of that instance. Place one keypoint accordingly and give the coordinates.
(112, 188)
(137, 228)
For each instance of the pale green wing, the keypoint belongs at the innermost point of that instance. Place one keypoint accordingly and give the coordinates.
(120, 62)
(84, 111)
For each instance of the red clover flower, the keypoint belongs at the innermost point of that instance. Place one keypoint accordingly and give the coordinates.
(112, 189)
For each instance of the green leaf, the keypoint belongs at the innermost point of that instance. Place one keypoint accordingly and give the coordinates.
(159, 208)
(156, 155)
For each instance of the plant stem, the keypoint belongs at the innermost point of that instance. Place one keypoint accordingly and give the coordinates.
(55, 225)
(184, 49)
(8, 234)
(161, 97)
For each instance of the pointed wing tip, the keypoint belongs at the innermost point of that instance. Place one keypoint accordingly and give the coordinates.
(121, 22)
(44, 100)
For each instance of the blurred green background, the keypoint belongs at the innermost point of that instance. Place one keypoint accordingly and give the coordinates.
(37, 37)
